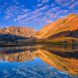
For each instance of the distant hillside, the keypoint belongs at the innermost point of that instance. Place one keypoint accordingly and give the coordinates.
(19, 31)
(65, 34)
(66, 26)
(10, 38)
(16, 35)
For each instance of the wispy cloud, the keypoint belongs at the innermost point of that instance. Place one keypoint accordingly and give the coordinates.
(75, 4)
(64, 2)
(43, 12)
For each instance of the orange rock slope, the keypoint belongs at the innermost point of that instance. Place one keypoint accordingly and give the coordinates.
(69, 23)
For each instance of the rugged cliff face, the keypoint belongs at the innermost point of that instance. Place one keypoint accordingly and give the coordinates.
(66, 25)
(19, 31)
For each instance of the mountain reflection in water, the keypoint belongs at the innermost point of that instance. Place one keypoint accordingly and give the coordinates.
(39, 62)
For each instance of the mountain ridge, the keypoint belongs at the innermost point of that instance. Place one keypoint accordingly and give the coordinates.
(16, 35)
(18, 30)
(68, 23)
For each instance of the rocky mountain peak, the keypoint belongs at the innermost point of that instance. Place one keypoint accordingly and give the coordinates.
(20, 31)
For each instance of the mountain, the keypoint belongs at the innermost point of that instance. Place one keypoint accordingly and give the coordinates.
(63, 27)
(16, 34)
(19, 31)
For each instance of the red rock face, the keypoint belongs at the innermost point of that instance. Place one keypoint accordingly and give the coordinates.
(20, 31)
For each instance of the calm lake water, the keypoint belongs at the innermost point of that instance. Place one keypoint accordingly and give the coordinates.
(39, 62)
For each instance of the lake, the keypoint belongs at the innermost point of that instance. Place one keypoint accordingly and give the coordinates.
(39, 61)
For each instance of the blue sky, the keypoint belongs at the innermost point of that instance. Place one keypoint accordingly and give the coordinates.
(34, 13)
